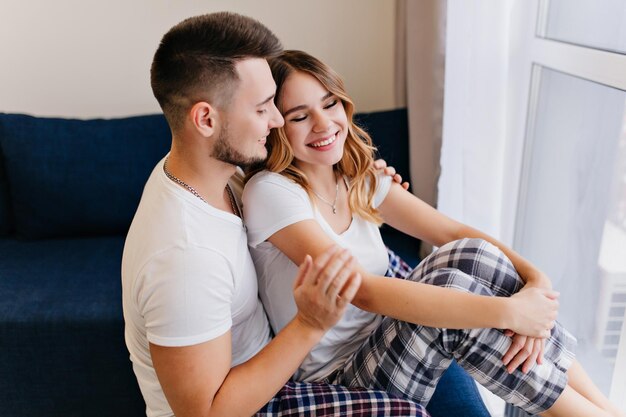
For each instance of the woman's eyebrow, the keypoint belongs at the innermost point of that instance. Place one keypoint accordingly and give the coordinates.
(302, 106)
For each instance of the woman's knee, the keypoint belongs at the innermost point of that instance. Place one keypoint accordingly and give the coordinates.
(481, 260)
(466, 243)
(462, 252)
(476, 246)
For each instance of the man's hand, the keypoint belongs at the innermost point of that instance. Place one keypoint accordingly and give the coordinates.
(381, 164)
(324, 288)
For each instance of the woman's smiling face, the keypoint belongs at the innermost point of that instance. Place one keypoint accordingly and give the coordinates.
(316, 124)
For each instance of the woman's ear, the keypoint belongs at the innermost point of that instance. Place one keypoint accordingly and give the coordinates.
(204, 118)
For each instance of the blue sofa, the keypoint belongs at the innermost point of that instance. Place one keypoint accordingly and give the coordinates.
(68, 191)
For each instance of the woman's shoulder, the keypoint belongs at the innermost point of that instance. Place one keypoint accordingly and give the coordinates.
(383, 181)
(267, 181)
(265, 175)
(269, 177)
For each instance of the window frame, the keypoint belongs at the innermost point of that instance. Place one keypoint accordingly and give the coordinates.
(529, 52)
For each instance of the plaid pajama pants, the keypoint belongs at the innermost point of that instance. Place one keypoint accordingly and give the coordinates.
(407, 359)
(313, 400)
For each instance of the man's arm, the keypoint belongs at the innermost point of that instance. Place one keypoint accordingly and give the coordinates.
(198, 381)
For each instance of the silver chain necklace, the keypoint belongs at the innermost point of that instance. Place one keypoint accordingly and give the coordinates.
(334, 203)
(193, 191)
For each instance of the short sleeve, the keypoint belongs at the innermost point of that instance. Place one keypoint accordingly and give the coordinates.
(383, 185)
(272, 202)
(185, 296)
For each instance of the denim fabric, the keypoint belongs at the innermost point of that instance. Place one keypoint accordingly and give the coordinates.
(457, 395)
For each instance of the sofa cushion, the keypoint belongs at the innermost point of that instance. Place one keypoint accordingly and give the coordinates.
(390, 132)
(5, 213)
(62, 349)
(60, 280)
(72, 177)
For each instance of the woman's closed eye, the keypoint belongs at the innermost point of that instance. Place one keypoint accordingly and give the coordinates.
(298, 118)
(302, 117)
(331, 104)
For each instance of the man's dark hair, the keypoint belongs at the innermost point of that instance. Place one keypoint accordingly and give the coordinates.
(196, 60)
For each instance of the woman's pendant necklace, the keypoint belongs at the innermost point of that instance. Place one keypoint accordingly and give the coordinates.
(333, 205)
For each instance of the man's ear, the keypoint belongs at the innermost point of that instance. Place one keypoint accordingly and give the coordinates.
(204, 118)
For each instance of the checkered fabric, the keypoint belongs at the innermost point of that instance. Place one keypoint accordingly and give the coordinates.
(315, 400)
(311, 399)
(397, 267)
(407, 360)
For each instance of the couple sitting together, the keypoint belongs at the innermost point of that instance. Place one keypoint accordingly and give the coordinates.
(277, 300)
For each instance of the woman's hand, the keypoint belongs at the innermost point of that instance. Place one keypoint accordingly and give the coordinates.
(523, 351)
(538, 315)
(533, 311)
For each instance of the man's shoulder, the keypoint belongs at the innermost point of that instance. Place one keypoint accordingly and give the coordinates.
(167, 225)
(166, 228)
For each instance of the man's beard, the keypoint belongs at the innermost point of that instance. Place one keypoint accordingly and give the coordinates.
(223, 151)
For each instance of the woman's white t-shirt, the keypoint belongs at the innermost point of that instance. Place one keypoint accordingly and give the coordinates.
(273, 202)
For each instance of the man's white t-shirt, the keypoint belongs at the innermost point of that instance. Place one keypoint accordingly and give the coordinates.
(271, 203)
(187, 277)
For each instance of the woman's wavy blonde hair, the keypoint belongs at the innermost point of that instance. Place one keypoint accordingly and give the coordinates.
(358, 155)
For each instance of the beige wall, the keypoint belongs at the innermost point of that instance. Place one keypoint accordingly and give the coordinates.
(88, 58)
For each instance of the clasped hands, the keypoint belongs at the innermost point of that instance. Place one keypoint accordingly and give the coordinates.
(537, 308)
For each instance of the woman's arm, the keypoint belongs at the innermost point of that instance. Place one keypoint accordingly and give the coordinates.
(407, 213)
(527, 313)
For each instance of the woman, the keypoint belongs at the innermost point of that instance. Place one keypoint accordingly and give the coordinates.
(318, 189)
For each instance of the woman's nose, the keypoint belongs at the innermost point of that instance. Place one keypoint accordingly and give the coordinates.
(321, 122)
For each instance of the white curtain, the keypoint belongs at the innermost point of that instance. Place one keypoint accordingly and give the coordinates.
(475, 113)
(457, 137)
